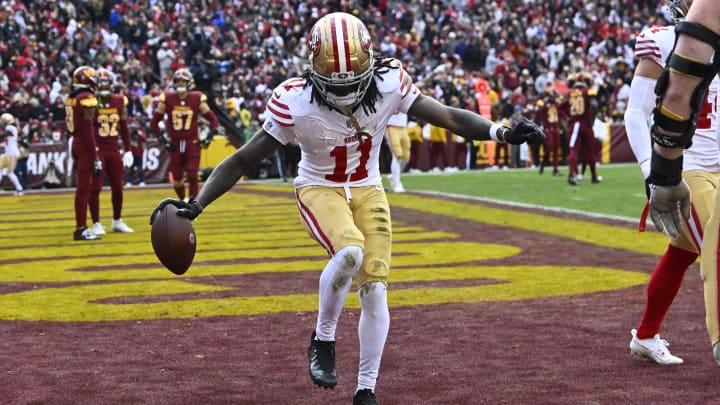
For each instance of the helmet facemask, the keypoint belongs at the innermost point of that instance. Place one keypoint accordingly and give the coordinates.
(104, 83)
(183, 75)
(341, 60)
(678, 9)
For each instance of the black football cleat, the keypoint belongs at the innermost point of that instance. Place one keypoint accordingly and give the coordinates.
(321, 359)
(365, 397)
(572, 181)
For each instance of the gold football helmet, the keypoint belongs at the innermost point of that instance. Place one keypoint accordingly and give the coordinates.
(341, 59)
(6, 119)
(105, 80)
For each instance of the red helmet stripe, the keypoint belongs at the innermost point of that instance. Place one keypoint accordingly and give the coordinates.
(346, 45)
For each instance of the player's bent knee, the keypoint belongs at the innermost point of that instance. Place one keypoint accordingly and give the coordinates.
(351, 258)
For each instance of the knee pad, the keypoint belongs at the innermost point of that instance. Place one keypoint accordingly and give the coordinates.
(688, 67)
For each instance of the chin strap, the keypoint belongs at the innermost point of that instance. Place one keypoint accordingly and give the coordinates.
(362, 133)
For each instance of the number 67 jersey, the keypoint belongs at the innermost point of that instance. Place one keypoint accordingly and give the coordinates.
(333, 152)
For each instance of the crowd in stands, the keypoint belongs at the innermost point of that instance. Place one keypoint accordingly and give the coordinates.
(239, 50)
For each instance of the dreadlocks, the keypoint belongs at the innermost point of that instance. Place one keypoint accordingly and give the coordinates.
(381, 66)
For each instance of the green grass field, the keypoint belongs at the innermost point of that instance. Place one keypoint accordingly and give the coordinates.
(621, 192)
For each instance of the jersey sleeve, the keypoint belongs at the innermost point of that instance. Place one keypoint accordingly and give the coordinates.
(409, 92)
(397, 80)
(279, 120)
(646, 46)
(89, 102)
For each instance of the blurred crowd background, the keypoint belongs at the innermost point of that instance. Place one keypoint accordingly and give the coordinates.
(239, 50)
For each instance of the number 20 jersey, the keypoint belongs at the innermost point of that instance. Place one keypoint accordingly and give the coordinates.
(656, 43)
(332, 153)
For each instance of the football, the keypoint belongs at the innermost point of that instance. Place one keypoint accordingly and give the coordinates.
(173, 240)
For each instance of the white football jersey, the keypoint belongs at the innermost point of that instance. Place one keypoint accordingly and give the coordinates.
(331, 153)
(11, 141)
(657, 43)
(399, 119)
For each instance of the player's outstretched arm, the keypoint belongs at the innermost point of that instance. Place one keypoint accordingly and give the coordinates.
(473, 126)
(224, 176)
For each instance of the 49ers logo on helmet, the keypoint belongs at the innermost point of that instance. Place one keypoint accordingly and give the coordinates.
(314, 42)
(365, 40)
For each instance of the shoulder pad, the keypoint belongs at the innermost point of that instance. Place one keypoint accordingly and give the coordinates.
(89, 102)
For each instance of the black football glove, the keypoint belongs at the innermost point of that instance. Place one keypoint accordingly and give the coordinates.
(189, 210)
(525, 131)
(166, 143)
(97, 167)
(208, 140)
(647, 188)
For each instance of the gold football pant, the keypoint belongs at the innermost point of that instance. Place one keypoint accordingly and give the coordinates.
(703, 187)
(337, 217)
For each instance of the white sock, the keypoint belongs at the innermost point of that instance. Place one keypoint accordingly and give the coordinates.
(395, 170)
(372, 331)
(15, 181)
(335, 282)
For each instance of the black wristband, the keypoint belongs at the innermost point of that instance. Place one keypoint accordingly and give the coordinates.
(665, 172)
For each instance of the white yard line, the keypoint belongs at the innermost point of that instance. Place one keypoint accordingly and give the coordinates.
(532, 206)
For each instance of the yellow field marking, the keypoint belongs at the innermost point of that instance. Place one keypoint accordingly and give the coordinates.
(249, 233)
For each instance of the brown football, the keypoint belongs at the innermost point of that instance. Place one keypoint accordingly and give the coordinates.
(173, 240)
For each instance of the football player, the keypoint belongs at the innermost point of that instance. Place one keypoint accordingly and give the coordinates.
(679, 108)
(182, 106)
(579, 108)
(701, 170)
(81, 106)
(548, 116)
(399, 142)
(8, 160)
(110, 124)
(337, 113)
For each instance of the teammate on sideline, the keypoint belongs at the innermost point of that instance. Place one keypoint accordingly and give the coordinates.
(337, 112)
(8, 160)
(701, 170)
(80, 123)
(691, 67)
(399, 142)
(183, 106)
(111, 122)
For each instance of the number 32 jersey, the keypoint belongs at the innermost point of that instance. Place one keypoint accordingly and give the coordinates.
(656, 44)
(332, 153)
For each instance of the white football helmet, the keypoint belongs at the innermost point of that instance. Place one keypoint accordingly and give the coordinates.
(6, 119)
(341, 59)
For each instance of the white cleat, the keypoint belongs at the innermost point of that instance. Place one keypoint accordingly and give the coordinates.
(119, 226)
(395, 187)
(655, 349)
(98, 229)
